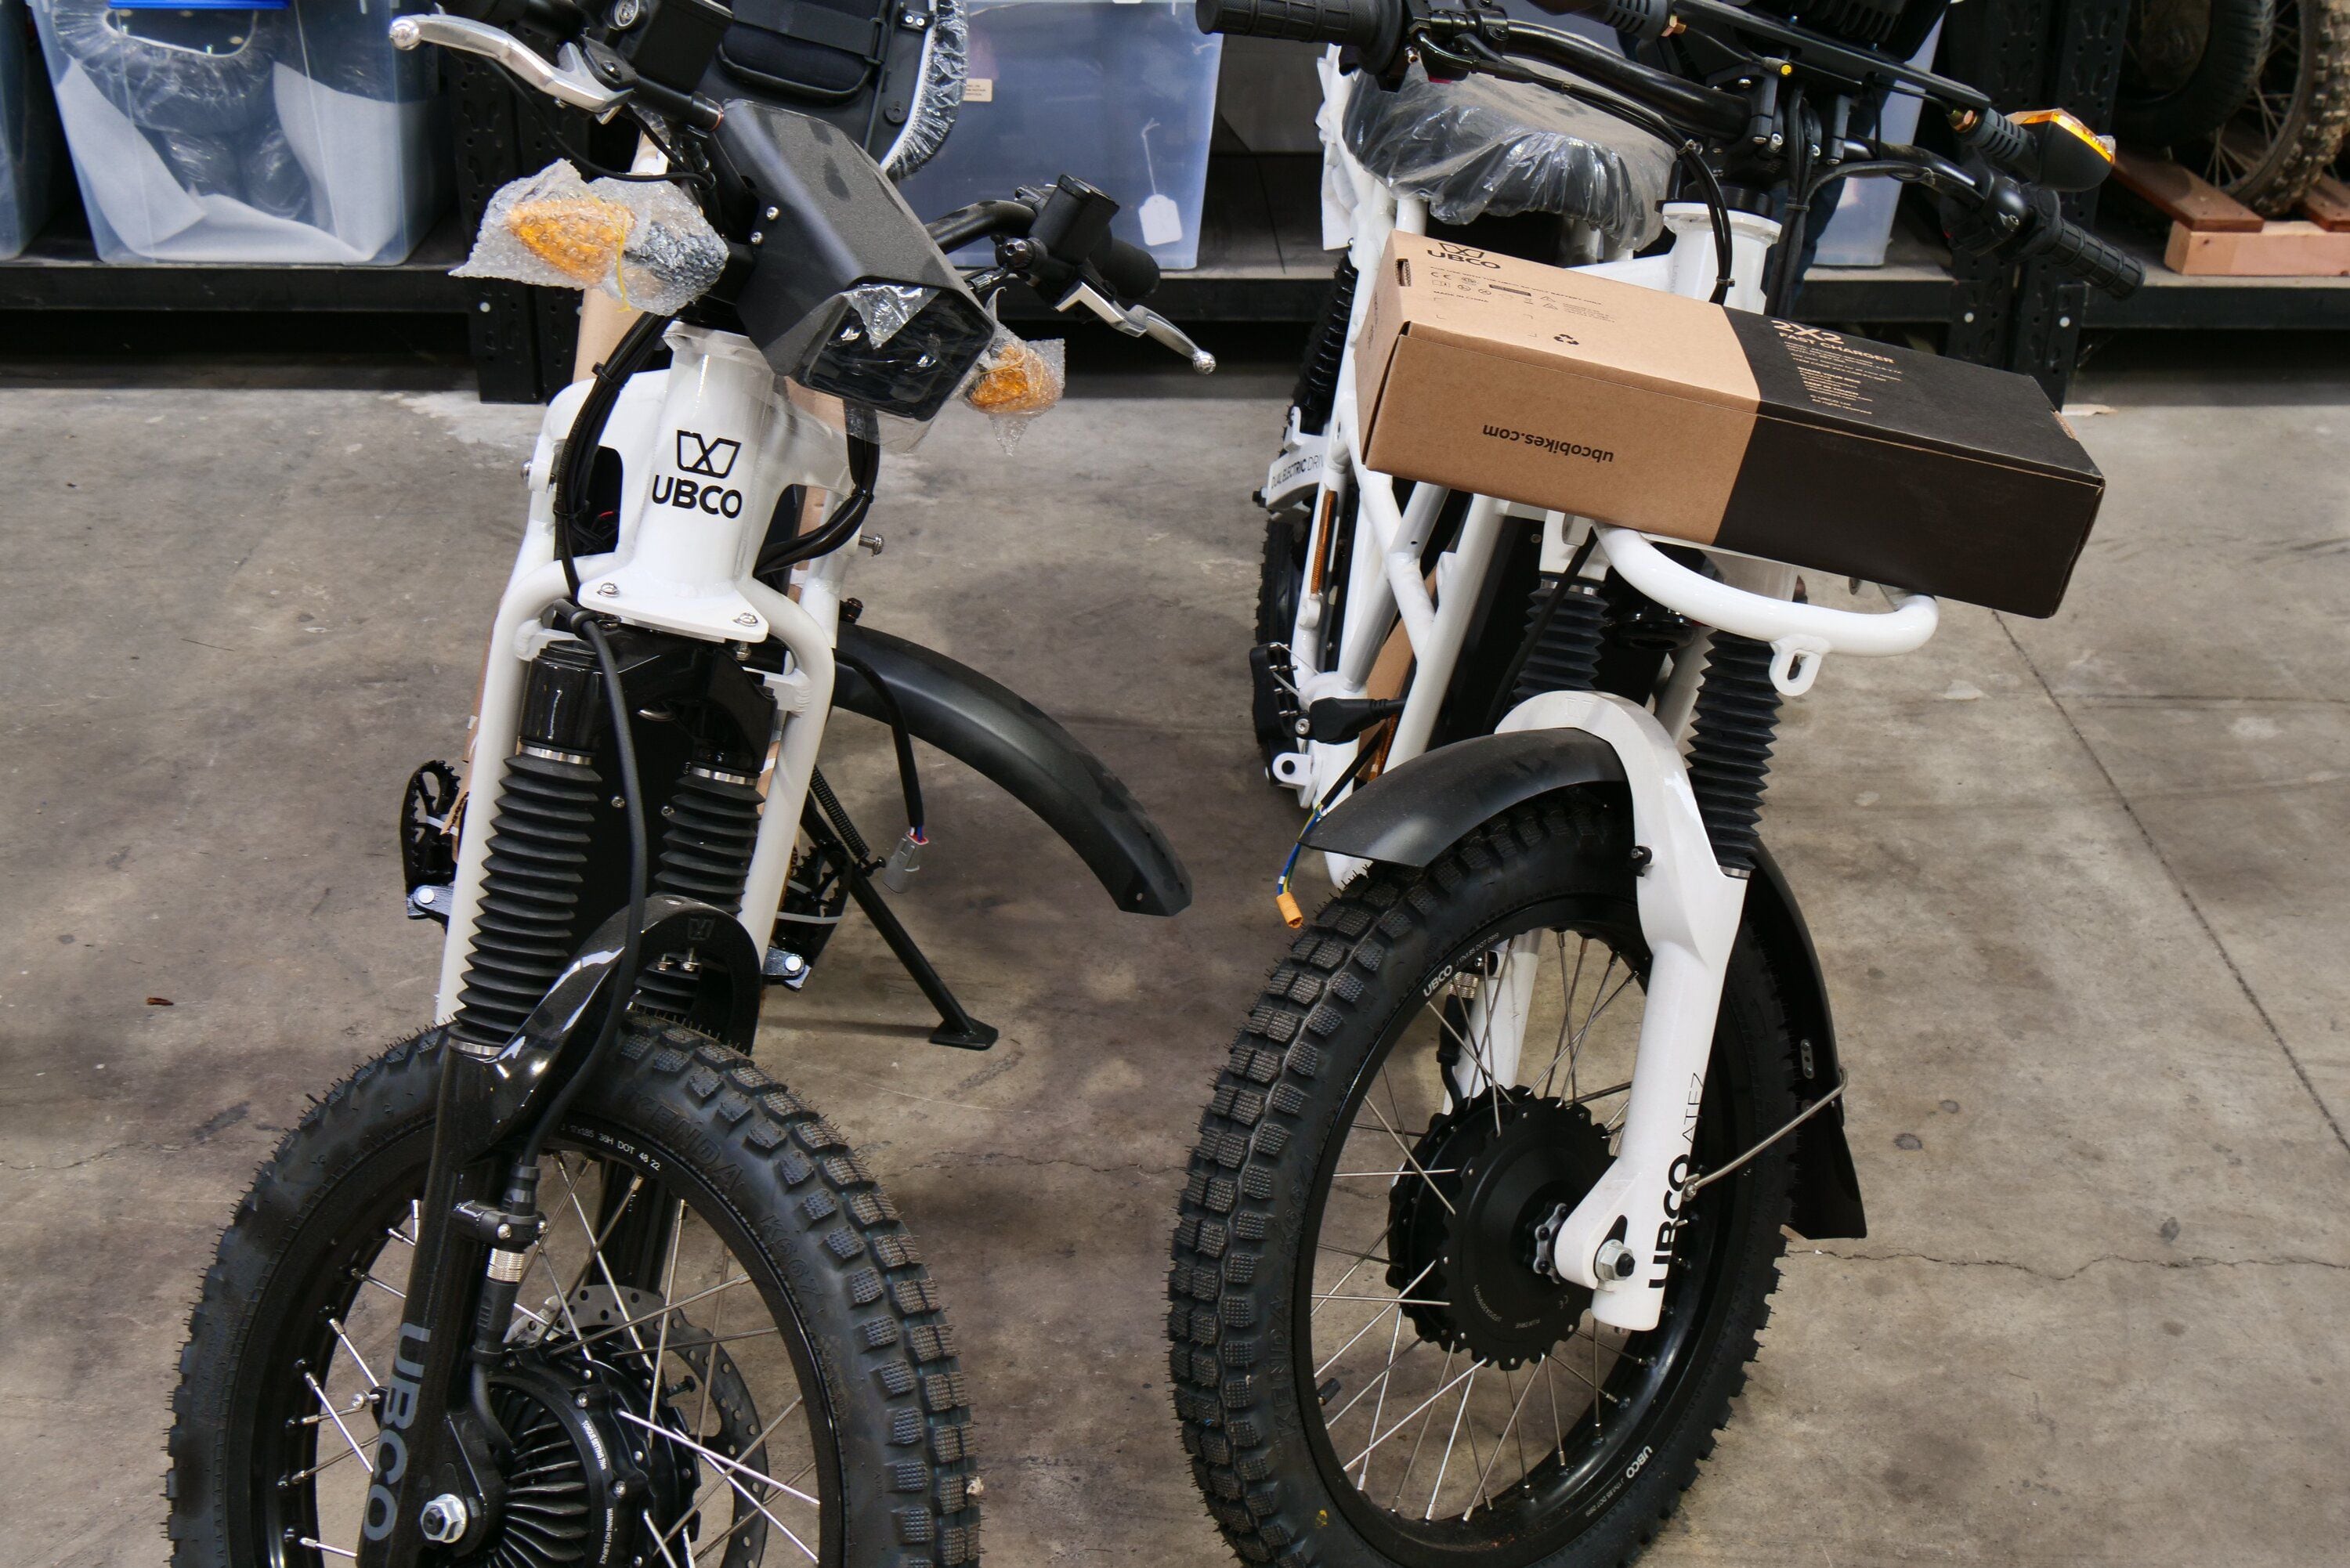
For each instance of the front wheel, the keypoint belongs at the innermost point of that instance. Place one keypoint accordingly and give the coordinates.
(723, 1297)
(1370, 1369)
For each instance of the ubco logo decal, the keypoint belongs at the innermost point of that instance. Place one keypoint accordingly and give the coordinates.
(712, 457)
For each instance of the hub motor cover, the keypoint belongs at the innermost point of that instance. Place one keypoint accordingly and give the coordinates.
(1496, 1169)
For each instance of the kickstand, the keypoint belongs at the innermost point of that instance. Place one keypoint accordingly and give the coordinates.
(956, 1027)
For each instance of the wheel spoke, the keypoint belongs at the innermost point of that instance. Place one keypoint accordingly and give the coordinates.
(1468, 1371)
(1446, 1462)
(751, 1447)
(1368, 1326)
(1477, 1494)
(669, 1286)
(1363, 1481)
(328, 1406)
(1380, 1381)
(1412, 1159)
(733, 1467)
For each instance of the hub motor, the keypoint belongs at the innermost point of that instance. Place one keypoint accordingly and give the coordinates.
(581, 1480)
(1504, 1165)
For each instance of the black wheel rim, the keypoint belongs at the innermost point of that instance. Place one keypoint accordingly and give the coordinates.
(740, 1442)
(1512, 1503)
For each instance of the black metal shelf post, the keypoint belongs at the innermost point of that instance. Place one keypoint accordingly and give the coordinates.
(2031, 54)
(523, 338)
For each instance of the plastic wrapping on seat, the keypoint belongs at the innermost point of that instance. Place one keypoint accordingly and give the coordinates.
(946, 63)
(1480, 147)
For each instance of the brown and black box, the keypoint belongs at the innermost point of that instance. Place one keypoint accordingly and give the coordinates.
(1569, 390)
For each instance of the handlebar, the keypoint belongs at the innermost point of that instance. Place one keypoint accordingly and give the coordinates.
(2091, 259)
(1375, 27)
(2007, 194)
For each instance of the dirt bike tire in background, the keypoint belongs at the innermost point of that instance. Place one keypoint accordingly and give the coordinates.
(790, 1212)
(2186, 67)
(1307, 1088)
(2290, 127)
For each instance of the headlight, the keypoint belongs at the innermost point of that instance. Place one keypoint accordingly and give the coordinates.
(848, 295)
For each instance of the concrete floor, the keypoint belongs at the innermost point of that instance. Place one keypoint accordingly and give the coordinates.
(2082, 888)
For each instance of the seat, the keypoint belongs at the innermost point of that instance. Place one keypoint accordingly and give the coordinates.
(1480, 148)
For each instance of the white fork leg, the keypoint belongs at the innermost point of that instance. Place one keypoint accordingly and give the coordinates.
(1689, 914)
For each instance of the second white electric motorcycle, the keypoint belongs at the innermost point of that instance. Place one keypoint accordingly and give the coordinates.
(1483, 1221)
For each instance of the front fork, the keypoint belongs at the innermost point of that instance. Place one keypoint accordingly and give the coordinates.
(1617, 1241)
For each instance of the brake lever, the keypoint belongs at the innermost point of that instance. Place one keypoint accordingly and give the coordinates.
(1138, 321)
(568, 80)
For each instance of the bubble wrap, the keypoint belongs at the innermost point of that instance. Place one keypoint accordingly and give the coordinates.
(1479, 148)
(643, 242)
(1016, 382)
(886, 308)
(946, 61)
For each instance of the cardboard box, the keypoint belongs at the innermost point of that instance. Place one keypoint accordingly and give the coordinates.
(1561, 390)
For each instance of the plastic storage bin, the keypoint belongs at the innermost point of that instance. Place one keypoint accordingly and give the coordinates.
(29, 154)
(1862, 226)
(292, 132)
(1121, 95)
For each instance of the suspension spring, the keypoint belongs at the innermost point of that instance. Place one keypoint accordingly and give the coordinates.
(1563, 628)
(705, 854)
(1317, 380)
(537, 864)
(1733, 725)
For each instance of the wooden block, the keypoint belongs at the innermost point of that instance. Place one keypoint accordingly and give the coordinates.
(2328, 203)
(2279, 250)
(2183, 198)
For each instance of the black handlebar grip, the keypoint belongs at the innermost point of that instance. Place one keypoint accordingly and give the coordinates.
(2073, 248)
(1373, 27)
(1129, 270)
(2003, 144)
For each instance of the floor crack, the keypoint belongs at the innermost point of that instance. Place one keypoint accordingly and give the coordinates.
(2290, 1260)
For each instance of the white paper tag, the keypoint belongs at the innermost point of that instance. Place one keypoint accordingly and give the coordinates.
(979, 89)
(1162, 224)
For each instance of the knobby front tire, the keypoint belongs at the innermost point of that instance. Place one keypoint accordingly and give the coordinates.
(1369, 1371)
(737, 1245)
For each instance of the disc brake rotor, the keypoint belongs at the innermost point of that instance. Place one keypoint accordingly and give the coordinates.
(1461, 1237)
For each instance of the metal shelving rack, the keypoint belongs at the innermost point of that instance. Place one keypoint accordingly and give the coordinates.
(1259, 254)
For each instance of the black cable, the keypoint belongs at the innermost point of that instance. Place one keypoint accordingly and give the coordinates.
(621, 985)
(578, 457)
(864, 467)
(910, 784)
(1795, 224)
(672, 175)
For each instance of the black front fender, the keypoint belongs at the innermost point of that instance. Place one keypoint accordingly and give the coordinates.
(1007, 739)
(1413, 813)
(1410, 815)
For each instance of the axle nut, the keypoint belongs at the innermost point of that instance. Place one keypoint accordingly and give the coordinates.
(1613, 1260)
(444, 1520)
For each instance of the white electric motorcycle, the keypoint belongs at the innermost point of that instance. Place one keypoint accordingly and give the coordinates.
(1484, 1220)
(567, 1280)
